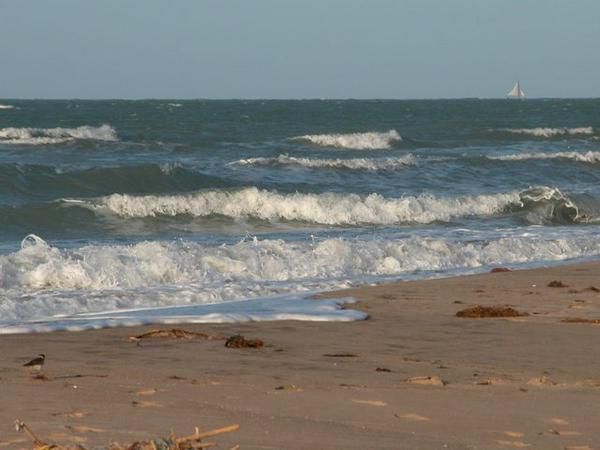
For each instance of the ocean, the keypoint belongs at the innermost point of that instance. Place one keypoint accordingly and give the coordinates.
(129, 212)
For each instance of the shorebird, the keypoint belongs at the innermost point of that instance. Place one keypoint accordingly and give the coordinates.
(36, 364)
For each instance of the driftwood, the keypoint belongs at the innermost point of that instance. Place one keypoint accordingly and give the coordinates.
(581, 320)
(175, 333)
(191, 442)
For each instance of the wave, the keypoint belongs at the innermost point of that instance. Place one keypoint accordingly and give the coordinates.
(40, 280)
(326, 208)
(351, 164)
(48, 136)
(551, 132)
(587, 157)
(372, 140)
(6, 106)
(536, 205)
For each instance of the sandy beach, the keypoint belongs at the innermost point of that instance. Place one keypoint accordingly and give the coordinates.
(412, 376)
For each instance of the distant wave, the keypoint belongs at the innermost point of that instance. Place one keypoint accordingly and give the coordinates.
(352, 164)
(587, 157)
(372, 140)
(46, 136)
(551, 132)
(537, 205)
(6, 106)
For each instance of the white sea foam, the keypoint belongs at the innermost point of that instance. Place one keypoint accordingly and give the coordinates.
(352, 164)
(6, 106)
(40, 281)
(45, 136)
(587, 157)
(552, 132)
(373, 140)
(326, 208)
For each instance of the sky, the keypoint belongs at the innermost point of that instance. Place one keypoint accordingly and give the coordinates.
(395, 49)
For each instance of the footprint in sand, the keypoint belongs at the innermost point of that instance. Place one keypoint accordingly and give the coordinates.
(429, 381)
(514, 434)
(564, 433)
(150, 391)
(64, 437)
(514, 444)
(557, 421)
(75, 414)
(84, 429)
(145, 404)
(370, 402)
(413, 417)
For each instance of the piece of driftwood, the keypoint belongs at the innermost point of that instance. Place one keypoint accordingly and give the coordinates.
(175, 333)
(191, 442)
(581, 320)
(478, 312)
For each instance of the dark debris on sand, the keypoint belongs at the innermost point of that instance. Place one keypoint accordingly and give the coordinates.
(478, 312)
(239, 341)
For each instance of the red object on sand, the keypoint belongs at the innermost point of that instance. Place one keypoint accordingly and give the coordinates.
(500, 269)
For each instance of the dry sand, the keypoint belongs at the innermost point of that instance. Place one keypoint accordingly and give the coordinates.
(413, 376)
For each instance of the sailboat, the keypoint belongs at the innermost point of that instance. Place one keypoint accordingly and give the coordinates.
(516, 91)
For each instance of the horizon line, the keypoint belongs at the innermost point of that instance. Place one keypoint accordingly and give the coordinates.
(280, 98)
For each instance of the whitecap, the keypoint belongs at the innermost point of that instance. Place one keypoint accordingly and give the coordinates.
(551, 132)
(372, 140)
(46, 136)
(350, 164)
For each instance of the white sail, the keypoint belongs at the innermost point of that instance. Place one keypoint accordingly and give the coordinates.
(516, 91)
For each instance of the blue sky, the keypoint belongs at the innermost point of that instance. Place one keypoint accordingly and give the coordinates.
(298, 49)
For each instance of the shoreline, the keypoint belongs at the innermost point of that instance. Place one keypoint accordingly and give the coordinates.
(412, 376)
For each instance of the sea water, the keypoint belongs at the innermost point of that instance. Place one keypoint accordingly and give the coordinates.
(125, 212)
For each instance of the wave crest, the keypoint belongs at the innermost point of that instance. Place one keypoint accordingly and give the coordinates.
(6, 106)
(46, 136)
(587, 157)
(372, 140)
(351, 164)
(326, 208)
(551, 132)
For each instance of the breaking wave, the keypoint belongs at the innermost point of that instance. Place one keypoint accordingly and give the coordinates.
(6, 106)
(536, 205)
(551, 132)
(40, 280)
(587, 157)
(351, 164)
(326, 208)
(47, 136)
(357, 141)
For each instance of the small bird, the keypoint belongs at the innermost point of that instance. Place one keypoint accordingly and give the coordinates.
(36, 364)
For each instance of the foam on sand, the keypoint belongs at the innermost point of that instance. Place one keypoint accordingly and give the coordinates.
(47, 136)
(286, 307)
(372, 140)
(378, 164)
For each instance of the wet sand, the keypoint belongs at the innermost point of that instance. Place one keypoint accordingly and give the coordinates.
(413, 376)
